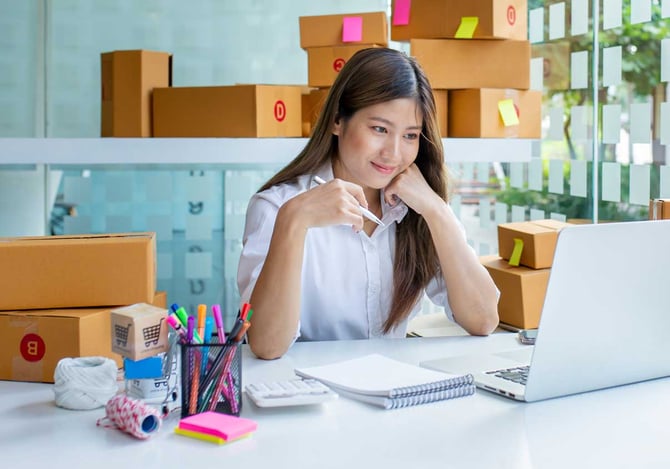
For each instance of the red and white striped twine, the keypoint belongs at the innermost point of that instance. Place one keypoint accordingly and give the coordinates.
(131, 416)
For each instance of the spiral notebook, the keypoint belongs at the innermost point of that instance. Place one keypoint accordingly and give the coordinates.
(383, 381)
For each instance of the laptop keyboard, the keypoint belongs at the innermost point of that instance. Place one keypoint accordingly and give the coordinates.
(517, 374)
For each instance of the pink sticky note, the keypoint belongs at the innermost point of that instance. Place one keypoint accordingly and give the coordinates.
(352, 29)
(401, 12)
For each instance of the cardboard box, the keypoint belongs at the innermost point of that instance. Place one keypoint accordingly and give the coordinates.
(659, 209)
(139, 331)
(69, 271)
(502, 19)
(325, 63)
(228, 111)
(330, 30)
(312, 103)
(473, 63)
(522, 292)
(128, 78)
(539, 241)
(475, 113)
(442, 108)
(33, 342)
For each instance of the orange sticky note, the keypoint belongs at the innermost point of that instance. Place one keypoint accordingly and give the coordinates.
(516, 252)
(467, 27)
(508, 112)
(352, 29)
(401, 12)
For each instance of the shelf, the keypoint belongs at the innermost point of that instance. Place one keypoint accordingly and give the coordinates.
(235, 152)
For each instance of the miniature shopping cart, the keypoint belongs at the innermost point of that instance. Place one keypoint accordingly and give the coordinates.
(152, 333)
(121, 334)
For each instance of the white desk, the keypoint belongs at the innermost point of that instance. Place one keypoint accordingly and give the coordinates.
(626, 427)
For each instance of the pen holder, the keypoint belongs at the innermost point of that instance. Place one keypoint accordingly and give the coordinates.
(211, 378)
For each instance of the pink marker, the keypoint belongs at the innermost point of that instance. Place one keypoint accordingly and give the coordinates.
(216, 312)
(176, 325)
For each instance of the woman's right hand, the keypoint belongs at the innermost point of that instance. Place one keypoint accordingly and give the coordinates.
(336, 202)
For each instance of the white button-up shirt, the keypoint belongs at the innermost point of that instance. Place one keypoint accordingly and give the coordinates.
(347, 277)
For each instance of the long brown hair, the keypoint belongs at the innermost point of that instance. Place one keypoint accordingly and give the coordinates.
(374, 76)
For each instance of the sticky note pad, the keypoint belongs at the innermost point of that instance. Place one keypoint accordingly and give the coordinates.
(516, 252)
(352, 29)
(226, 427)
(401, 12)
(467, 27)
(508, 112)
(205, 436)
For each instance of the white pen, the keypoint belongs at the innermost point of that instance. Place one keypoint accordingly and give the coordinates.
(366, 213)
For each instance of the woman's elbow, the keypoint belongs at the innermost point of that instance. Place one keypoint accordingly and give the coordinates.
(266, 351)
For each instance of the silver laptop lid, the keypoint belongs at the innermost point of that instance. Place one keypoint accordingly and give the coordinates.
(606, 315)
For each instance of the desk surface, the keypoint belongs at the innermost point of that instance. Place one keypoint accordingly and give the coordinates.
(620, 427)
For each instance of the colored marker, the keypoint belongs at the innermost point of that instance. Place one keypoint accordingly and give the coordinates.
(202, 314)
(216, 311)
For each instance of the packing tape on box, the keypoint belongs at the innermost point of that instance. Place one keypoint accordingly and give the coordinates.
(85, 383)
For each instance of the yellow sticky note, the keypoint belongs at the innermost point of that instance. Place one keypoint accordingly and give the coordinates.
(467, 27)
(508, 112)
(516, 252)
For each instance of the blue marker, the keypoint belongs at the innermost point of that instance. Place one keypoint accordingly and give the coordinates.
(174, 307)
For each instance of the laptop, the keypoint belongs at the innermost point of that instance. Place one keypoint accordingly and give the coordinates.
(605, 320)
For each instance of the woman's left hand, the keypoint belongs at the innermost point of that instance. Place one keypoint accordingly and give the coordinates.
(411, 187)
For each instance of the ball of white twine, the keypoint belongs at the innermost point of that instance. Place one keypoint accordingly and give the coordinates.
(85, 383)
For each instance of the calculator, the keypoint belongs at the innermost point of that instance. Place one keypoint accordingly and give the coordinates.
(290, 392)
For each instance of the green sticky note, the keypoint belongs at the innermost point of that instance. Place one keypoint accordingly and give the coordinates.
(516, 252)
(508, 112)
(467, 27)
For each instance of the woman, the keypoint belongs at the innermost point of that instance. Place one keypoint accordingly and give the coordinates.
(308, 274)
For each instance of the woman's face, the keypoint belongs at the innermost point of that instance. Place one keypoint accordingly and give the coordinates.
(378, 142)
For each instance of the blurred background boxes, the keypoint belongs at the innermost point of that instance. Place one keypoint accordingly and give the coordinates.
(474, 63)
(325, 63)
(502, 19)
(128, 78)
(659, 209)
(539, 241)
(340, 30)
(313, 101)
(522, 291)
(442, 109)
(33, 342)
(228, 111)
(476, 113)
(68, 271)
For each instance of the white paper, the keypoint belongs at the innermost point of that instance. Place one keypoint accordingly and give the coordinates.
(557, 20)
(578, 127)
(640, 122)
(579, 17)
(578, 178)
(665, 59)
(516, 175)
(611, 123)
(558, 216)
(535, 174)
(518, 213)
(640, 175)
(556, 176)
(579, 76)
(555, 123)
(501, 213)
(536, 214)
(664, 193)
(640, 11)
(536, 25)
(537, 74)
(198, 265)
(611, 182)
(611, 66)
(612, 13)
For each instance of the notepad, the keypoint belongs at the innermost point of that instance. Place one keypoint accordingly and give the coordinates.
(225, 427)
(389, 383)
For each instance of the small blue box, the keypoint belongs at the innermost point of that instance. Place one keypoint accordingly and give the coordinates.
(146, 368)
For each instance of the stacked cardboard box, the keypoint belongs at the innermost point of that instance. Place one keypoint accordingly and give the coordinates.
(330, 41)
(521, 269)
(58, 292)
(478, 52)
(659, 209)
